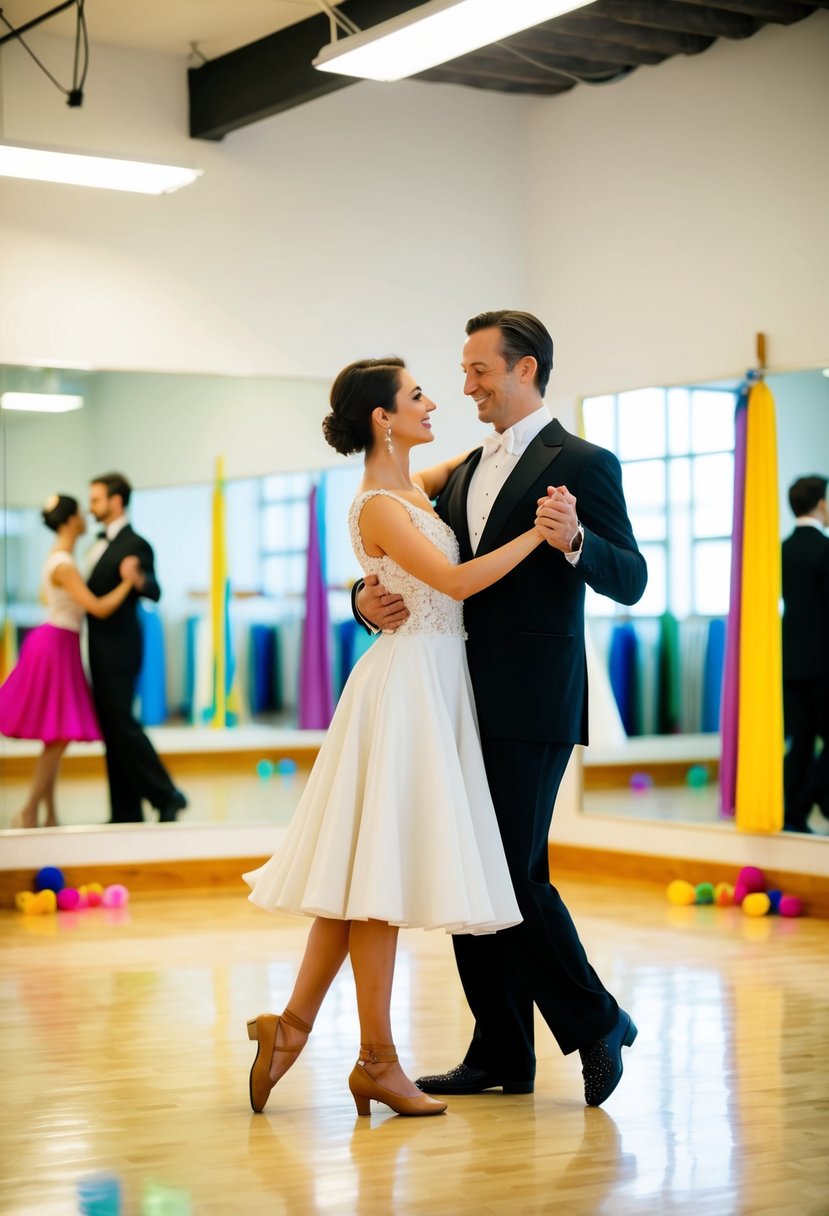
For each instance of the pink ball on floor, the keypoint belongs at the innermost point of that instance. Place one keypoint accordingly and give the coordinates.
(751, 879)
(790, 905)
(68, 899)
(115, 896)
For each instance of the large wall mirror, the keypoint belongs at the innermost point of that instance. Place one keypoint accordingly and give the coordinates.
(165, 433)
(656, 669)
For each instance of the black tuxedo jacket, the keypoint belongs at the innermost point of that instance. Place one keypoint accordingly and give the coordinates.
(116, 640)
(805, 557)
(526, 632)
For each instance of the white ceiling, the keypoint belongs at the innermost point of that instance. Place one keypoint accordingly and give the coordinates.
(169, 26)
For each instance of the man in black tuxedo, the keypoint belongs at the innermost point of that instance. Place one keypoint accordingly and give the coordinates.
(527, 662)
(115, 650)
(805, 557)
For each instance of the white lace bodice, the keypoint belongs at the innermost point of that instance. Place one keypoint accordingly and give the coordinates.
(430, 611)
(62, 611)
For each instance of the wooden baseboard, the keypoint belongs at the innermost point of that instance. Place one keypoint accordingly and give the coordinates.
(242, 761)
(641, 868)
(170, 878)
(662, 773)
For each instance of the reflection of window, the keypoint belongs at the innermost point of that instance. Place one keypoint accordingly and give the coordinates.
(676, 448)
(284, 523)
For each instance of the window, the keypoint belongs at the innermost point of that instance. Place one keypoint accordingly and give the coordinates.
(676, 448)
(284, 524)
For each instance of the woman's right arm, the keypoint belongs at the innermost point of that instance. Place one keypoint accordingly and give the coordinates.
(386, 524)
(66, 576)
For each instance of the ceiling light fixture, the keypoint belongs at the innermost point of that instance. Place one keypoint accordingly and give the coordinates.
(80, 169)
(41, 403)
(434, 33)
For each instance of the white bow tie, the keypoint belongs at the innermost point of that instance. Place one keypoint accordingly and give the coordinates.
(495, 440)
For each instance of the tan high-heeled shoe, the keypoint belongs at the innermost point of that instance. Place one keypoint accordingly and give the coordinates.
(364, 1088)
(263, 1031)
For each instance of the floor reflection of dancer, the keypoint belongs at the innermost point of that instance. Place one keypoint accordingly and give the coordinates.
(396, 826)
(46, 696)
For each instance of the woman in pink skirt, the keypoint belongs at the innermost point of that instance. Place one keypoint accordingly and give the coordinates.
(46, 696)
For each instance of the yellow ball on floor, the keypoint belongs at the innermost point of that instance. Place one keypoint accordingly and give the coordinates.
(681, 892)
(756, 904)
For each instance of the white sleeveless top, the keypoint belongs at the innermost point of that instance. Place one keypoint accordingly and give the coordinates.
(62, 611)
(430, 611)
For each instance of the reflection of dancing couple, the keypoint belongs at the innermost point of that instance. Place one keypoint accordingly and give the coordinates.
(409, 817)
(46, 696)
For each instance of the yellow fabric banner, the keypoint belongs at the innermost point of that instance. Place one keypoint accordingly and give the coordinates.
(759, 799)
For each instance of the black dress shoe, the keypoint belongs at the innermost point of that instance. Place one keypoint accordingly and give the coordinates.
(168, 813)
(466, 1080)
(602, 1061)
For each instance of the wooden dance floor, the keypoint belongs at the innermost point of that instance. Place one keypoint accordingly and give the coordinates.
(124, 1052)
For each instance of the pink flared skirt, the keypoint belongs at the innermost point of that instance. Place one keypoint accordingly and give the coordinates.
(46, 695)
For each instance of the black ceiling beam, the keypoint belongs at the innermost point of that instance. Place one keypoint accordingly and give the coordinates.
(274, 73)
(540, 43)
(781, 12)
(679, 15)
(584, 24)
(543, 62)
(493, 78)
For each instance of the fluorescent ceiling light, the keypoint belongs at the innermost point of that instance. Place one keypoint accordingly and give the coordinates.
(434, 33)
(41, 403)
(76, 169)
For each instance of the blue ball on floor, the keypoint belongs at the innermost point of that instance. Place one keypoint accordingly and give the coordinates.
(50, 878)
(264, 769)
(286, 767)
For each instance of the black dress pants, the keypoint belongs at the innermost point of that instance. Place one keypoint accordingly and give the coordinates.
(805, 773)
(541, 961)
(134, 770)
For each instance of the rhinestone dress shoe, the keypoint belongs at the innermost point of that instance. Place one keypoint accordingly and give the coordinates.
(466, 1080)
(602, 1061)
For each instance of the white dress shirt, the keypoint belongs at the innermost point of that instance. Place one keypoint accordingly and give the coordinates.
(97, 551)
(501, 453)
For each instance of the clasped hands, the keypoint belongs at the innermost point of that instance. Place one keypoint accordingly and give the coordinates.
(130, 569)
(556, 521)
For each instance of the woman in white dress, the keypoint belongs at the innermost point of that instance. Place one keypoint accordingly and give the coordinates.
(396, 826)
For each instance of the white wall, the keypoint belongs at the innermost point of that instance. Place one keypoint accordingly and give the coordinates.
(676, 213)
(367, 222)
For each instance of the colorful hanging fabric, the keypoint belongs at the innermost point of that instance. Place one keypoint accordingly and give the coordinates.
(223, 710)
(759, 789)
(731, 676)
(316, 697)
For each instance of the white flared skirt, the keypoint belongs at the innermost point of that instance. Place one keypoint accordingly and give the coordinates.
(396, 822)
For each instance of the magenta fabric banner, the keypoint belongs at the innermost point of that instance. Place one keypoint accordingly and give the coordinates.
(316, 696)
(731, 675)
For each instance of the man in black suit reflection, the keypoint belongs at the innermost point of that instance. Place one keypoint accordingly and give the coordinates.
(805, 557)
(527, 663)
(134, 770)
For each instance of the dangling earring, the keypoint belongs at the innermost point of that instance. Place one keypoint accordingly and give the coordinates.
(389, 444)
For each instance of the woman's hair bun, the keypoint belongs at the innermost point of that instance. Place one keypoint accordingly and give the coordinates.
(339, 434)
(356, 392)
(58, 509)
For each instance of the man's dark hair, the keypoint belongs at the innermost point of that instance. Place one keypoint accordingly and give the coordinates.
(521, 334)
(806, 493)
(116, 483)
